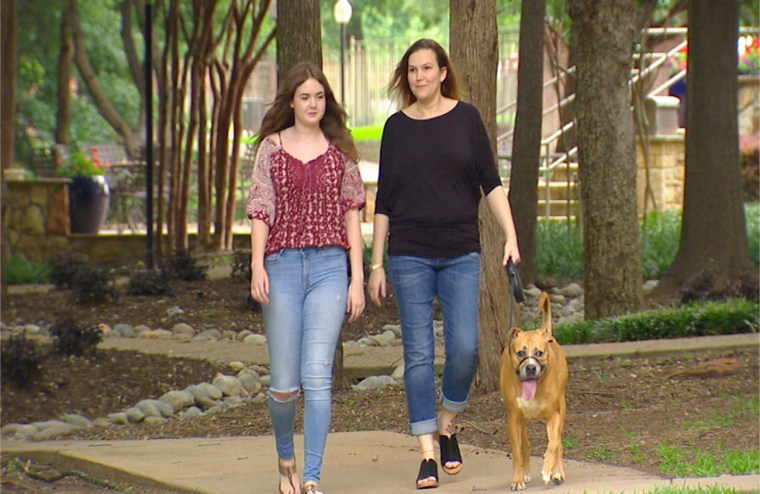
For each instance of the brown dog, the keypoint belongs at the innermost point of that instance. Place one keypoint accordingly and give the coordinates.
(533, 383)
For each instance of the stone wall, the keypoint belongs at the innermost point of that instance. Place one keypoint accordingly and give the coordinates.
(38, 218)
(38, 228)
(666, 165)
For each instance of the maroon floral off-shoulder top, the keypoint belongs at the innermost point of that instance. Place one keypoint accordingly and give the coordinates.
(304, 204)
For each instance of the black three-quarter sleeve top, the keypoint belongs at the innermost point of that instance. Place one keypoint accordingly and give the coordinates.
(431, 174)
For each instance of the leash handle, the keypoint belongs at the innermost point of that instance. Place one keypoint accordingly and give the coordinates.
(514, 279)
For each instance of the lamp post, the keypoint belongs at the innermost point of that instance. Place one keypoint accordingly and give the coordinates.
(342, 12)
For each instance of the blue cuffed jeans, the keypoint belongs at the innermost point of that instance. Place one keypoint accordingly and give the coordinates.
(307, 304)
(456, 283)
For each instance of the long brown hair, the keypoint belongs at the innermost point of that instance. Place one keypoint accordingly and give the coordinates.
(281, 116)
(399, 85)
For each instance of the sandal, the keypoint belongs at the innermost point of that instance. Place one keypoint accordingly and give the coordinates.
(428, 476)
(450, 454)
(311, 487)
(290, 472)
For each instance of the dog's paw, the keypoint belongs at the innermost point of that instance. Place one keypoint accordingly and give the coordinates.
(519, 485)
(557, 477)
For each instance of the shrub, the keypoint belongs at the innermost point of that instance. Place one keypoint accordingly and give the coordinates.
(148, 282)
(241, 265)
(65, 266)
(92, 284)
(660, 236)
(752, 213)
(69, 338)
(19, 360)
(183, 266)
(695, 319)
(560, 249)
(20, 271)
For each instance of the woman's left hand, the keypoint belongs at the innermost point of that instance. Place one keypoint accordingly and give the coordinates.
(355, 305)
(511, 250)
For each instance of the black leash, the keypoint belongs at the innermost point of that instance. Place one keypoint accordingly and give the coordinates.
(517, 288)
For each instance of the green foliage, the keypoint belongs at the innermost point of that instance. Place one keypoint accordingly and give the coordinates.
(20, 271)
(19, 360)
(183, 266)
(560, 244)
(92, 285)
(660, 236)
(713, 489)
(81, 164)
(65, 266)
(695, 319)
(560, 249)
(148, 282)
(241, 265)
(694, 462)
(367, 133)
(752, 213)
(69, 338)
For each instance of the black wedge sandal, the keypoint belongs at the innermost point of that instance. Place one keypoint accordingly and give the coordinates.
(428, 476)
(450, 453)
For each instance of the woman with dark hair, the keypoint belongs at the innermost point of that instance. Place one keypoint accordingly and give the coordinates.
(436, 162)
(304, 205)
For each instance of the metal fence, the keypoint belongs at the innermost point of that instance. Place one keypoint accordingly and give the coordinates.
(368, 67)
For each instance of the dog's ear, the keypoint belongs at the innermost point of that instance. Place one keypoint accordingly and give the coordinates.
(545, 306)
(547, 336)
(513, 333)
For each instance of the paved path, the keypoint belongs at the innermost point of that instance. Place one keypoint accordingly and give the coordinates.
(356, 462)
(363, 361)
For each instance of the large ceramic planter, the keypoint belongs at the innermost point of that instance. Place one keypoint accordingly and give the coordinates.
(89, 198)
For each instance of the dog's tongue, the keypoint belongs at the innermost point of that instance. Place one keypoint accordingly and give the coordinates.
(529, 389)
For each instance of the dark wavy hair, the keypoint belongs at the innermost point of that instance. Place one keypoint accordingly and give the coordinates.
(399, 86)
(281, 116)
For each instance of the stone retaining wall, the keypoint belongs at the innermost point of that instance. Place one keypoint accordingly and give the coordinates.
(666, 174)
(37, 218)
(38, 227)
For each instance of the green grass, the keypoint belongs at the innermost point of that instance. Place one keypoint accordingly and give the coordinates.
(749, 407)
(714, 489)
(367, 133)
(600, 453)
(20, 271)
(695, 462)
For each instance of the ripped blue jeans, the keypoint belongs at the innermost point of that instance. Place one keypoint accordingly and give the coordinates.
(307, 304)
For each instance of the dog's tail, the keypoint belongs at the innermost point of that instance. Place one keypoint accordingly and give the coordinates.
(545, 306)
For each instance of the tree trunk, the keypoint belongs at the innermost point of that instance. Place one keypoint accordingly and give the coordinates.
(9, 21)
(65, 61)
(299, 34)
(713, 256)
(99, 96)
(605, 32)
(526, 149)
(474, 53)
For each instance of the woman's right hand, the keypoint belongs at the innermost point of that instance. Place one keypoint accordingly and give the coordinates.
(376, 286)
(260, 285)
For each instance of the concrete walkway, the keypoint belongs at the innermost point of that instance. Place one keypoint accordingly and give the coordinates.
(356, 462)
(363, 361)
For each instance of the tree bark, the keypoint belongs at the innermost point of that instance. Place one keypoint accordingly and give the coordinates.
(713, 257)
(299, 34)
(65, 62)
(605, 32)
(99, 96)
(475, 54)
(526, 149)
(9, 21)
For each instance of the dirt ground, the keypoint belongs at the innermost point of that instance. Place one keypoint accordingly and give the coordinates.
(621, 409)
